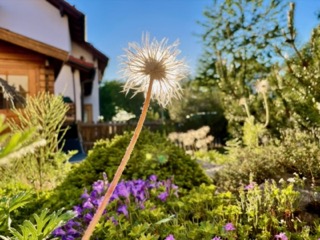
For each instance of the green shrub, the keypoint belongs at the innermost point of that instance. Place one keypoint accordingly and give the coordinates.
(212, 156)
(153, 154)
(45, 166)
(260, 162)
(297, 152)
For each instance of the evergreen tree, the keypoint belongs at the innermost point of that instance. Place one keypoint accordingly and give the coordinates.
(239, 38)
(297, 82)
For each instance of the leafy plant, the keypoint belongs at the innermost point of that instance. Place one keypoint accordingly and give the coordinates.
(42, 226)
(46, 165)
(153, 154)
(8, 205)
(139, 211)
(129, 197)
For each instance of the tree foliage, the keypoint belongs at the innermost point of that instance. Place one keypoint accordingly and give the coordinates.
(239, 38)
(113, 98)
(199, 106)
(296, 82)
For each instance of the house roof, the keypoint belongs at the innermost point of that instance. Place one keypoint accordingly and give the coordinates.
(77, 30)
(37, 46)
(80, 64)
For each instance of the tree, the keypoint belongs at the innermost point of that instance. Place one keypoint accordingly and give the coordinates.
(112, 98)
(199, 107)
(297, 81)
(239, 38)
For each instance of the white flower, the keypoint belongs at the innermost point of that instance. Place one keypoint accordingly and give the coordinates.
(291, 180)
(262, 86)
(154, 61)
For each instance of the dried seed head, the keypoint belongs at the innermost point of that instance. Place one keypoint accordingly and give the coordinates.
(154, 61)
(262, 86)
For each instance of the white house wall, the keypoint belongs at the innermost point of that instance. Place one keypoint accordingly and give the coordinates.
(65, 86)
(93, 99)
(78, 51)
(37, 20)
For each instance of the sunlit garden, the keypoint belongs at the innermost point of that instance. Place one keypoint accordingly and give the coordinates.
(235, 155)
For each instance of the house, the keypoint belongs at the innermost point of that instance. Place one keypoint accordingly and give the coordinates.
(43, 47)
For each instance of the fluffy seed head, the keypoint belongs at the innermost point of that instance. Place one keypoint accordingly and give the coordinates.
(156, 61)
(262, 86)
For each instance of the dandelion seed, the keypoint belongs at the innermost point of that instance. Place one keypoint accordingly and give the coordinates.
(154, 61)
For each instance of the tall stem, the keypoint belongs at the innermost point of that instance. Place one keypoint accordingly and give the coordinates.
(121, 167)
(267, 109)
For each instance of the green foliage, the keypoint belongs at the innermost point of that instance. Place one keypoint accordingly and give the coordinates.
(252, 132)
(42, 227)
(296, 152)
(112, 97)
(297, 82)
(153, 154)
(239, 50)
(16, 144)
(199, 107)
(212, 156)
(8, 205)
(256, 212)
(46, 165)
(299, 152)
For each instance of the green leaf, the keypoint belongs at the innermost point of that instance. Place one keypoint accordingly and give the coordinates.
(165, 220)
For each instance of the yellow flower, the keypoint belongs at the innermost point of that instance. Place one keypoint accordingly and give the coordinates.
(154, 61)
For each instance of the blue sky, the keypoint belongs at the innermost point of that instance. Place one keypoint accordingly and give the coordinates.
(111, 24)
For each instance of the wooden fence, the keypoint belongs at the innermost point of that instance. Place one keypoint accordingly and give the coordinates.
(91, 132)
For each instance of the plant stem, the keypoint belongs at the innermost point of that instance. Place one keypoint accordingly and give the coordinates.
(121, 167)
(267, 109)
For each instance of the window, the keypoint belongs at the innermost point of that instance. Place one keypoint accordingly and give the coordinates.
(21, 85)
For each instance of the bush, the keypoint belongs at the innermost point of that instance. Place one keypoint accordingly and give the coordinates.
(298, 152)
(260, 162)
(153, 154)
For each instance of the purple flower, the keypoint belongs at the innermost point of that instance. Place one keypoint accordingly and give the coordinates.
(122, 209)
(135, 192)
(216, 238)
(85, 195)
(169, 237)
(122, 190)
(72, 231)
(87, 204)
(163, 196)
(78, 210)
(88, 217)
(281, 236)
(98, 186)
(153, 178)
(229, 227)
(59, 232)
(250, 186)
(140, 196)
(68, 238)
(97, 201)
